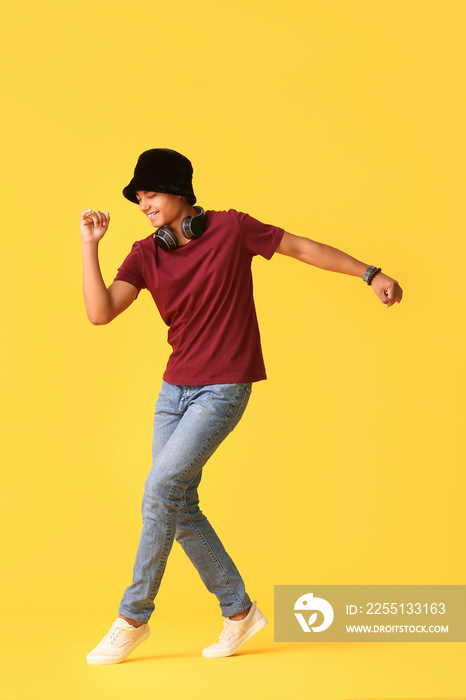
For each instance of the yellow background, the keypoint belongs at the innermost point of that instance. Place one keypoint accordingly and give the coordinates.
(339, 120)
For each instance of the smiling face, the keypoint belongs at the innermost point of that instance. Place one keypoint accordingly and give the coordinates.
(162, 209)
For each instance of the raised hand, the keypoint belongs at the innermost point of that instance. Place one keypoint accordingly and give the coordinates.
(93, 225)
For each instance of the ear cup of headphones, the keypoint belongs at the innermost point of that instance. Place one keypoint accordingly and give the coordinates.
(164, 238)
(193, 226)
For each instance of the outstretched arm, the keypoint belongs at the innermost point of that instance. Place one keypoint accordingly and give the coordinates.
(328, 258)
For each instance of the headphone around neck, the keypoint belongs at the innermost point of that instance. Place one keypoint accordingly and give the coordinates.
(191, 227)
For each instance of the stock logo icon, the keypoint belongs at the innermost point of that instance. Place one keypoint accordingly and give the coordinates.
(307, 603)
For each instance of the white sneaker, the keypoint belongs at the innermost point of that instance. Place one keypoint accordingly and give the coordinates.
(235, 633)
(118, 644)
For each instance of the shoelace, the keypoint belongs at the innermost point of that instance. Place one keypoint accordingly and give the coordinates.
(226, 624)
(113, 634)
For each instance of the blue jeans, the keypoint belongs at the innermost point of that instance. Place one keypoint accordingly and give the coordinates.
(190, 422)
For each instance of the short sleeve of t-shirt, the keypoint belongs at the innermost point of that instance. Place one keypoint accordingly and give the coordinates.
(259, 238)
(132, 268)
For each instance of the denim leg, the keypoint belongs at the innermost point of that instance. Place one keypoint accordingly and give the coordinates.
(208, 414)
(204, 548)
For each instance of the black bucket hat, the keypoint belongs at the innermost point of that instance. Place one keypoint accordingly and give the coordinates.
(162, 170)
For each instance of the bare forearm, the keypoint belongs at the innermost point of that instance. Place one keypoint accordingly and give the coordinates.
(96, 297)
(329, 258)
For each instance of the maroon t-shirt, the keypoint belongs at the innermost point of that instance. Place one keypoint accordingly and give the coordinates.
(204, 293)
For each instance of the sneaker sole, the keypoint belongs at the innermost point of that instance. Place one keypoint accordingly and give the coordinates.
(103, 660)
(232, 650)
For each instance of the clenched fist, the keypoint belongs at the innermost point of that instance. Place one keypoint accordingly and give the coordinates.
(387, 289)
